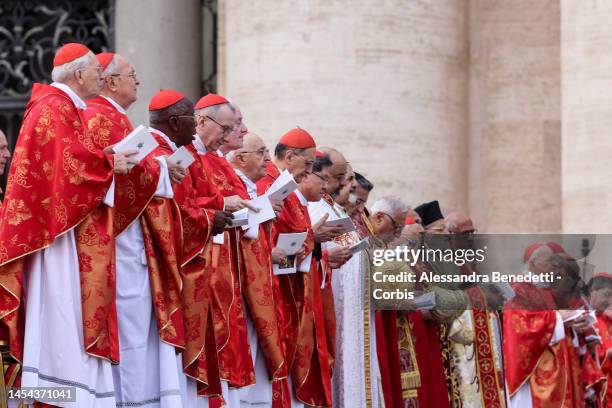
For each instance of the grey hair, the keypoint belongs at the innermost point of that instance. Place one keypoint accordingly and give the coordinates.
(389, 205)
(62, 73)
(212, 111)
(112, 68)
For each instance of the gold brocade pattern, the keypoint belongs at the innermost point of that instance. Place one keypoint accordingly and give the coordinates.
(450, 371)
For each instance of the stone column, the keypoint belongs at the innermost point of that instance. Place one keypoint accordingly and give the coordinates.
(587, 116)
(386, 82)
(515, 114)
(162, 39)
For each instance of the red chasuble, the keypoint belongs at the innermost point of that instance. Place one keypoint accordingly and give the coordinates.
(57, 181)
(200, 355)
(302, 310)
(527, 354)
(159, 218)
(245, 267)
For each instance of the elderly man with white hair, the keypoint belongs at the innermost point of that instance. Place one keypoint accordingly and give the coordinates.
(149, 338)
(387, 216)
(56, 235)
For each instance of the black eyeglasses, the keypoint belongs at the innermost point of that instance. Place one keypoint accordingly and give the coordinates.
(396, 226)
(226, 129)
(259, 152)
(325, 179)
(131, 75)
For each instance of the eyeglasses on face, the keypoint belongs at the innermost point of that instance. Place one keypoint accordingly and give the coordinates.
(226, 129)
(259, 152)
(325, 179)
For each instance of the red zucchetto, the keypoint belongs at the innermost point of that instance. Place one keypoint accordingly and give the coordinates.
(68, 53)
(104, 58)
(298, 139)
(210, 100)
(165, 98)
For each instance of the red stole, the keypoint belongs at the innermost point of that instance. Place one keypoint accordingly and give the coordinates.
(57, 181)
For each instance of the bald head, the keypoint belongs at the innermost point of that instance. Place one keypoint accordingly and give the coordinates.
(337, 172)
(458, 223)
(251, 158)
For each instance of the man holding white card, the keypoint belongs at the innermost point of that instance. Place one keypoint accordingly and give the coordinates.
(146, 257)
(249, 163)
(46, 227)
(305, 334)
(172, 125)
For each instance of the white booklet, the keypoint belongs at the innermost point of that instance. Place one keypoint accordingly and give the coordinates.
(182, 158)
(139, 139)
(291, 243)
(241, 217)
(360, 246)
(426, 301)
(345, 223)
(265, 213)
(282, 186)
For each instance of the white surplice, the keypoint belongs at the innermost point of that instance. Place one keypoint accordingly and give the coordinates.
(348, 286)
(148, 373)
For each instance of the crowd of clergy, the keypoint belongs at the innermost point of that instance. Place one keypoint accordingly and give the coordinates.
(174, 279)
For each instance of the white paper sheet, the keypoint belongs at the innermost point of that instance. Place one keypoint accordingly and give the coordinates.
(345, 223)
(282, 186)
(182, 158)
(266, 212)
(139, 139)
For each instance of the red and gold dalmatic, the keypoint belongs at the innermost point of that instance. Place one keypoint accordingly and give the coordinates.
(302, 311)
(200, 355)
(57, 181)
(159, 219)
(245, 267)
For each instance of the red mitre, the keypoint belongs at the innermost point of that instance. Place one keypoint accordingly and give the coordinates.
(68, 53)
(165, 98)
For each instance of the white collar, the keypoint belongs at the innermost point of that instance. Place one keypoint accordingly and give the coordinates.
(299, 195)
(251, 187)
(78, 102)
(166, 138)
(220, 153)
(115, 104)
(198, 144)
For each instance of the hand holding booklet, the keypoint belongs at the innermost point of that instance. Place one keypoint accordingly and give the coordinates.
(265, 213)
(345, 223)
(139, 139)
(292, 244)
(282, 186)
(182, 158)
(360, 246)
(241, 217)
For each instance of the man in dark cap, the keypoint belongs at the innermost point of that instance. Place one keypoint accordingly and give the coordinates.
(431, 216)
